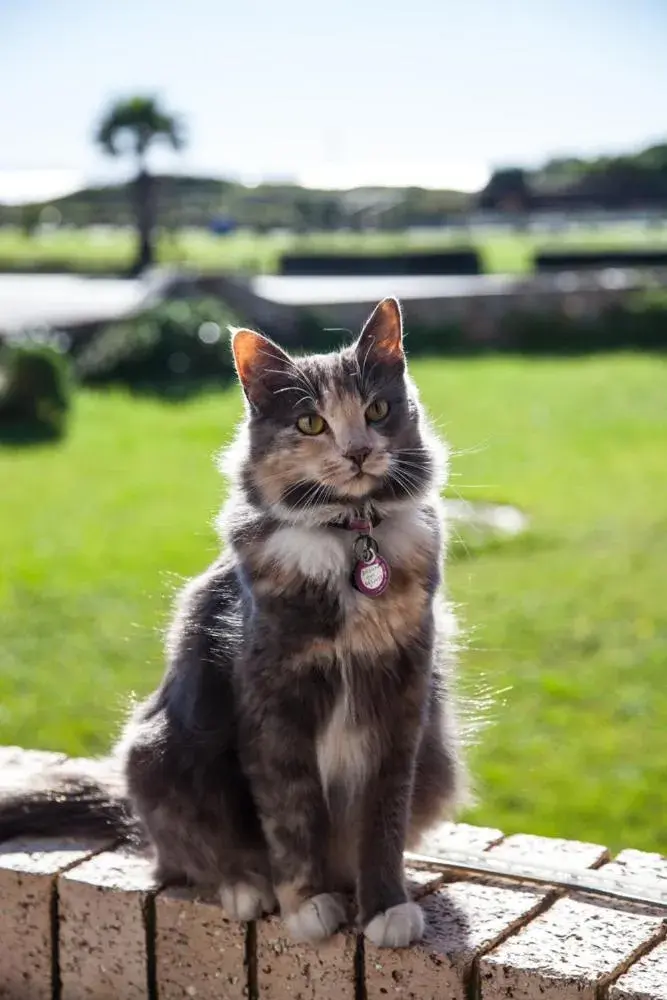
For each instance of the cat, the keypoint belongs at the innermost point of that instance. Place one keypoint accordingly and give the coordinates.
(304, 733)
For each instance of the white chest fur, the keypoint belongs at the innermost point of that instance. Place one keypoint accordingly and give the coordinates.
(316, 553)
(344, 751)
(406, 535)
(325, 553)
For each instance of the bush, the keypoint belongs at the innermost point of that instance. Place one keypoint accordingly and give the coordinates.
(638, 324)
(176, 343)
(35, 391)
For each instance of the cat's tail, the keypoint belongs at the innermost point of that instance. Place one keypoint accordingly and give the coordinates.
(72, 798)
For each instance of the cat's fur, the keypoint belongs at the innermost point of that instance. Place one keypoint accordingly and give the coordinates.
(303, 733)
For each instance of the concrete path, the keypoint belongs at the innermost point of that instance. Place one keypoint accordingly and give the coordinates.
(29, 300)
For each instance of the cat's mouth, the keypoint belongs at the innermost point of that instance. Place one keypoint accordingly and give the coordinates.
(361, 482)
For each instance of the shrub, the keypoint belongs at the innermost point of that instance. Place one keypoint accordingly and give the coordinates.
(35, 391)
(175, 343)
(638, 324)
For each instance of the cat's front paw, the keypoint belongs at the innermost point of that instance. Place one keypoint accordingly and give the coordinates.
(396, 927)
(246, 900)
(317, 918)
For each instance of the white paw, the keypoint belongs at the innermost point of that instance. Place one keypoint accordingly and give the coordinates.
(243, 901)
(317, 918)
(397, 927)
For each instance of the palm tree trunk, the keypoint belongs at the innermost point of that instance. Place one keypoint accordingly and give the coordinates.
(144, 208)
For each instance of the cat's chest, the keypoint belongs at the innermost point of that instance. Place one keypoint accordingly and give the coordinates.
(318, 556)
(330, 556)
(326, 559)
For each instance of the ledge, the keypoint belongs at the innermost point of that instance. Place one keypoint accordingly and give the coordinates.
(84, 920)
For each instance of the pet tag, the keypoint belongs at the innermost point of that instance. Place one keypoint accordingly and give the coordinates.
(371, 573)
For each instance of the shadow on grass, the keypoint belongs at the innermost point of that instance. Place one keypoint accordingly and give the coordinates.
(24, 434)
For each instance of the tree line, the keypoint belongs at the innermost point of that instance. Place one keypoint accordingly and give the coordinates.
(634, 181)
(133, 127)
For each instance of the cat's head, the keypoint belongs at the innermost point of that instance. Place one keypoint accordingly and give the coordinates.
(335, 431)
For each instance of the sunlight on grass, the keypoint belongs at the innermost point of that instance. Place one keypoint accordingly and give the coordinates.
(569, 620)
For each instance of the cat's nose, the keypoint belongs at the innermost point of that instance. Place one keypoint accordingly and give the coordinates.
(358, 455)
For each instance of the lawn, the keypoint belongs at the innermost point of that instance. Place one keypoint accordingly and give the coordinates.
(567, 625)
(500, 250)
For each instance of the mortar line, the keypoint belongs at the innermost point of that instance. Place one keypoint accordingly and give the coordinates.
(607, 980)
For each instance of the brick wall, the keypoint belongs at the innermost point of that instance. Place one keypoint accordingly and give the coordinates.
(84, 920)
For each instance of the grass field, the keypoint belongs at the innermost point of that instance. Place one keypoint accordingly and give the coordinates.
(569, 621)
(500, 250)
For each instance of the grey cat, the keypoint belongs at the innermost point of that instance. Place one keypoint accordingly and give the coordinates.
(304, 732)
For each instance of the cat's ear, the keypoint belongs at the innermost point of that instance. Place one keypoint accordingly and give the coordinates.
(382, 336)
(261, 365)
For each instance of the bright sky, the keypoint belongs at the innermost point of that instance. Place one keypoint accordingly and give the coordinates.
(431, 92)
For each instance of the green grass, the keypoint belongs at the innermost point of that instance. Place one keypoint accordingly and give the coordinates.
(90, 250)
(570, 621)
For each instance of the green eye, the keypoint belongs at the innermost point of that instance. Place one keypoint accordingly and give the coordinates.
(378, 410)
(311, 424)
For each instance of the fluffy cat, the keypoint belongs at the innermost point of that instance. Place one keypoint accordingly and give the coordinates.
(304, 731)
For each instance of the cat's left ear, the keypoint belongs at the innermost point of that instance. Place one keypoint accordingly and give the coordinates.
(262, 366)
(382, 336)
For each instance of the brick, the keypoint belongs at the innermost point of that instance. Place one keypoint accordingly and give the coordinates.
(444, 838)
(551, 851)
(645, 980)
(27, 903)
(290, 971)
(286, 969)
(578, 945)
(640, 865)
(464, 919)
(458, 837)
(102, 928)
(199, 953)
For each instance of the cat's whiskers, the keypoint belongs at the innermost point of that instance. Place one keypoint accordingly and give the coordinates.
(293, 368)
(362, 371)
(302, 399)
(276, 477)
(404, 465)
(295, 486)
(404, 462)
(300, 374)
(309, 397)
(409, 486)
(404, 476)
(302, 378)
(306, 503)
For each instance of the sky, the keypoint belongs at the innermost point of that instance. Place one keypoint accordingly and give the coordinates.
(428, 92)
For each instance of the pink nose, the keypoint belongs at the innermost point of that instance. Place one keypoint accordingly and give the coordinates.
(358, 455)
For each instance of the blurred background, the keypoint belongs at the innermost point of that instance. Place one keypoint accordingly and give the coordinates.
(168, 169)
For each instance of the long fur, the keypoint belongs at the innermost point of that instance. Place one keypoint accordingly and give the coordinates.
(303, 733)
(75, 798)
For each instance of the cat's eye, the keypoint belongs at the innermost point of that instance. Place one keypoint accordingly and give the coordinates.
(377, 410)
(312, 424)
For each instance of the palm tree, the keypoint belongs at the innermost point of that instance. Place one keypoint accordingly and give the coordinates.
(508, 190)
(134, 126)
